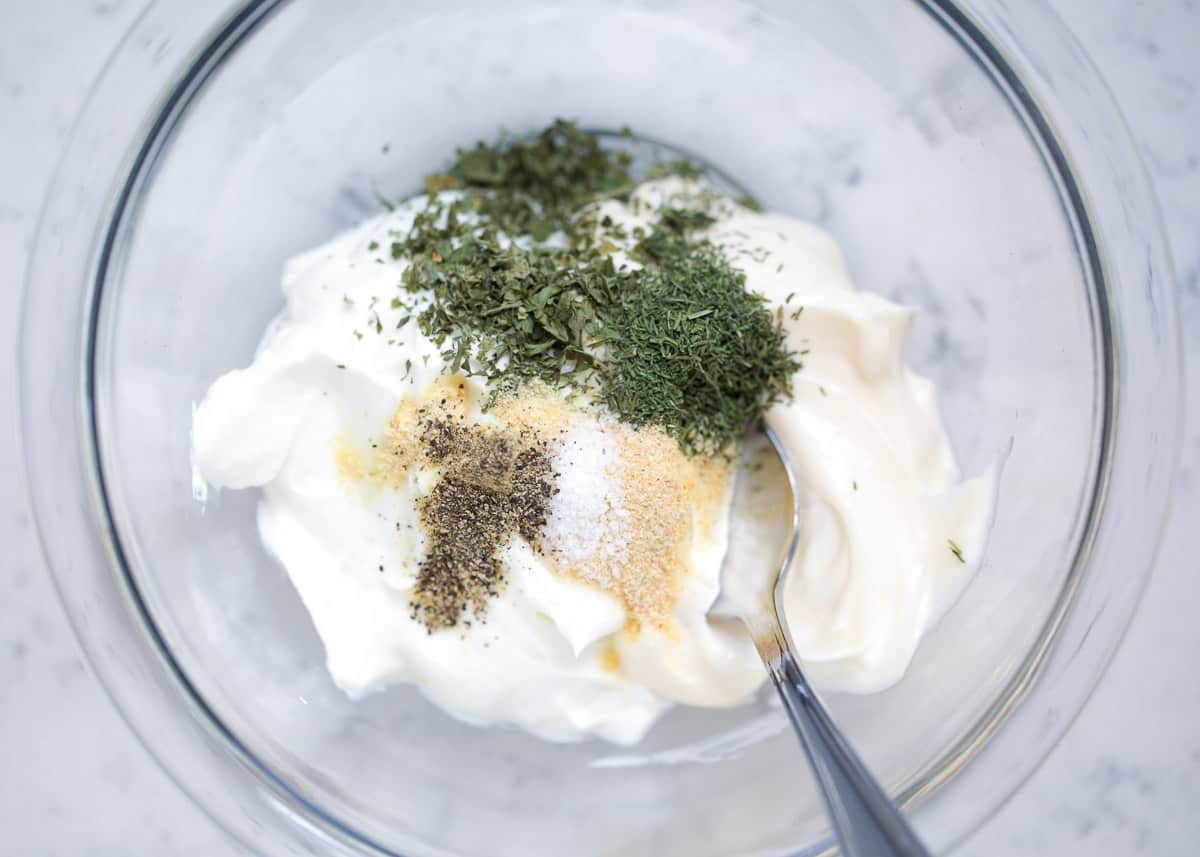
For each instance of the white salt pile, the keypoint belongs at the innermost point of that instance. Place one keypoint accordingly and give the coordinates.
(587, 527)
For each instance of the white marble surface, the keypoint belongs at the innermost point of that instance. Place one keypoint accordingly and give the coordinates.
(75, 783)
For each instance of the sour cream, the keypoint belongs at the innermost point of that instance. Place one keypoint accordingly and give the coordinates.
(559, 654)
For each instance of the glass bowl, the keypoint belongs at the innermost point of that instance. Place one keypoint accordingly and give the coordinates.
(966, 157)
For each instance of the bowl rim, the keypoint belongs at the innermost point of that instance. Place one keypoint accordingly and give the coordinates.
(969, 29)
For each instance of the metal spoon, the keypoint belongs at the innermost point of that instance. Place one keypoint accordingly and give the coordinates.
(865, 820)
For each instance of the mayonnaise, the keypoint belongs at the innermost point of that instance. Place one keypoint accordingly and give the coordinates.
(557, 654)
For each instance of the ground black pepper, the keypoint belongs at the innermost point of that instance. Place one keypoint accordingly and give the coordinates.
(494, 484)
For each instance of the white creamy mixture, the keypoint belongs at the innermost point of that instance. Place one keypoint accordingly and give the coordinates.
(564, 652)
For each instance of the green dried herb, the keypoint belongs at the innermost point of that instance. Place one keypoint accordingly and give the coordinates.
(678, 343)
(691, 349)
(536, 187)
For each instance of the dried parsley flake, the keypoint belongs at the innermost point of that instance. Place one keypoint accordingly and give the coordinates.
(678, 342)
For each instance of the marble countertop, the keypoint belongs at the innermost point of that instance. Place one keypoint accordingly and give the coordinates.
(75, 782)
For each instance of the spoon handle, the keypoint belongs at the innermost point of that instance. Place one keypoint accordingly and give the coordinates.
(866, 821)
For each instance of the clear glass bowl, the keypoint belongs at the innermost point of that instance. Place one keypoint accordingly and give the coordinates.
(966, 157)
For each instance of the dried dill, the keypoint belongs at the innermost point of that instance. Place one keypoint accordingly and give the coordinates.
(691, 350)
(678, 343)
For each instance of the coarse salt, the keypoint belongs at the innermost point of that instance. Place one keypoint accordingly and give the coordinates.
(587, 526)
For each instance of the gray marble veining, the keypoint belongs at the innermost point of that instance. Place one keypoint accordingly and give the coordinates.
(76, 783)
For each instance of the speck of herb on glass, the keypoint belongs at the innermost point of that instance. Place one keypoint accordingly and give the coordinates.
(678, 343)
(956, 550)
(750, 202)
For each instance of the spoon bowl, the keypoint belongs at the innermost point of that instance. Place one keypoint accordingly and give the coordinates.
(865, 820)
